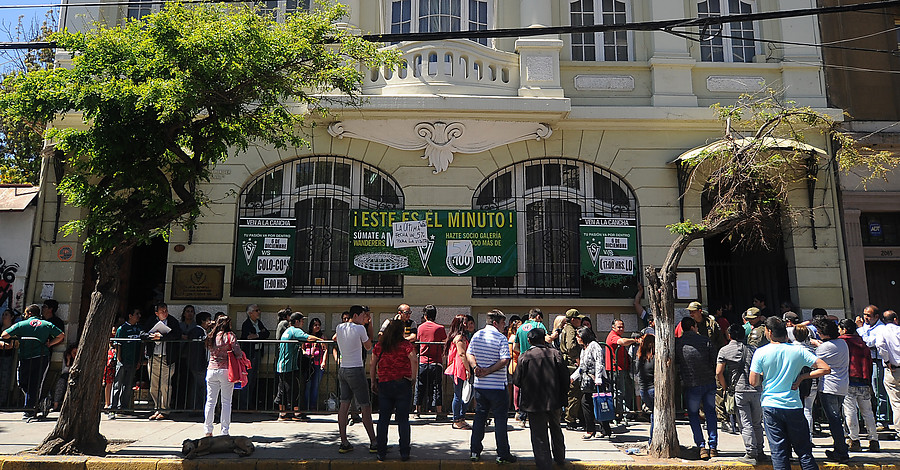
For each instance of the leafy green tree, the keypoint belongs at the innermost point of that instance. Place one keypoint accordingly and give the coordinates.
(21, 142)
(163, 100)
(747, 177)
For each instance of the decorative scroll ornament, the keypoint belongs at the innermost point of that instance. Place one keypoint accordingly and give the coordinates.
(440, 140)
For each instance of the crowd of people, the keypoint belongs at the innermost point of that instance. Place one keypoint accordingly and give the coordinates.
(763, 376)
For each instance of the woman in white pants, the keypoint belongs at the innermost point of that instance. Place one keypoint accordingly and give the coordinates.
(220, 342)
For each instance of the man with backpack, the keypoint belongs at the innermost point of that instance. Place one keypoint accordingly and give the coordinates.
(733, 374)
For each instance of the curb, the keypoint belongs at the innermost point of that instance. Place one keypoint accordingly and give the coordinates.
(139, 463)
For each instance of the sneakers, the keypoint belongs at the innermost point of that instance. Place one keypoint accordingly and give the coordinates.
(373, 448)
(111, 415)
(835, 457)
(344, 448)
(763, 458)
(882, 428)
(704, 453)
(874, 446)
(475, 457)
(507, 459)
(854, 446)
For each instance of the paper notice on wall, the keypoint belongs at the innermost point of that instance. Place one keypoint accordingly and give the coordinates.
(683, 289)
(47, 290)
(410, 234)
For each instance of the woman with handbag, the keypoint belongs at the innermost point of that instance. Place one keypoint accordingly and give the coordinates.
(458, 368)
(221, 343)
(591, 374)
(393, 370)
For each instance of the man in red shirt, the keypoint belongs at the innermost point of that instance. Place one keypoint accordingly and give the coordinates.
(616, 343)
(428, 385)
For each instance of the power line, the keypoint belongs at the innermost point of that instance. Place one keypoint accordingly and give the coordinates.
(663, 25)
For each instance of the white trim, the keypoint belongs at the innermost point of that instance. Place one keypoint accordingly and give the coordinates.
(600, 53)
(387, 7)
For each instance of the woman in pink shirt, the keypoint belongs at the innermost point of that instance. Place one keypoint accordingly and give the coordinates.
(220, 342)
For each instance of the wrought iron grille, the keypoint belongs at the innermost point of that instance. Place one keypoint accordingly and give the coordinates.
(551, 197)
(320, 192)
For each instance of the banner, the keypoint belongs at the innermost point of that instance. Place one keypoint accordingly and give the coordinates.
(609, 265)
(433, 243)
(263, 260)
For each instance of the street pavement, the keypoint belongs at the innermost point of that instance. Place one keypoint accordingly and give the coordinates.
(134, 437)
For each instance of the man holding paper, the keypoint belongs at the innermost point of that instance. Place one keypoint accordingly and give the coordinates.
(162, 328)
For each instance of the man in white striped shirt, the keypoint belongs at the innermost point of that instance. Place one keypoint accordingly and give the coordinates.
(488, 355)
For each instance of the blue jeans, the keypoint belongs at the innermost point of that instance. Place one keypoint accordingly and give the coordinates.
(458, 405)
(787, 429)
(880, 404)
(705, 394)
(834, 413)
(312, 388)
(649, 397)
(497, 403)
(394, 396)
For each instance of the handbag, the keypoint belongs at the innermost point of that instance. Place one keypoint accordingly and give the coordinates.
(604, 407)
(468, 390)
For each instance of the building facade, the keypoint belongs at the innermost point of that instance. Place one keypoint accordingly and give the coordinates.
(551, 132)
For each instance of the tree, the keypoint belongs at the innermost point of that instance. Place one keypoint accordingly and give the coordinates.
(21, 142)
(163, 100)
(747, 179)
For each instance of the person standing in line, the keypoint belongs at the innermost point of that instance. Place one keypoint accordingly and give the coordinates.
(197, 358)
(834, 387)
(521, 344)
(252, 329)
(352, 337)
(220, 342)
(48, 312)
(888, 345)
(810, 389)
(618, 362)
(571, 351)
(7, 360)
(36, 338)
(868, 327)
(162, 359)
(543, 378)
(646, 372)
(127, 359)
(696, 359)
(393, 370)
(733, 374)
(458, 368)
(590, 375)
(318, 355)
(859, 397)
(429, 387)
(291, 383)
(404, 314)
(777, 368)
(488, 356)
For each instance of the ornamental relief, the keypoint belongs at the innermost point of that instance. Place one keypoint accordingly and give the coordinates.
(440, 139)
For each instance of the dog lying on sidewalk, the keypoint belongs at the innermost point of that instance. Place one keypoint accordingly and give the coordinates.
(240, 445)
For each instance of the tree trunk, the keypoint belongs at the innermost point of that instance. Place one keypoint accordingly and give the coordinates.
(77, 431)
(665, 438)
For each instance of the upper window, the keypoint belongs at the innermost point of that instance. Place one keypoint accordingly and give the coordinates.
(138, 9)
(320, 192)
(611, 46)
(880, 228)
(281, 8)
(425, 16)
(551, 196)
(729, 42)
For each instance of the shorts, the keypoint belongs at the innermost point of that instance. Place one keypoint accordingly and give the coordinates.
(353, 384)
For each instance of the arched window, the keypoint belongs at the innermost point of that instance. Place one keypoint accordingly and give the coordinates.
(319, 193)
(552, 196)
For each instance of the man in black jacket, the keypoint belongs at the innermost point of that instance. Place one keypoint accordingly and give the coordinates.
(252, 328)
(543, 377)
(696, 357)
(163, 327)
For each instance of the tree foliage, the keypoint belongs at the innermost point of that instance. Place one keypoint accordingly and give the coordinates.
(747, 177)
(21, 141)
(143, 114)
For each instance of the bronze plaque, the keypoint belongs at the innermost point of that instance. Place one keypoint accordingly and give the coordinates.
(193, 282)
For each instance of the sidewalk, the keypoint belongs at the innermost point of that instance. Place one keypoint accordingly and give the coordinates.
(137, 444)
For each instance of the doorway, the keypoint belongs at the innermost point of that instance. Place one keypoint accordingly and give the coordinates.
(883, 282)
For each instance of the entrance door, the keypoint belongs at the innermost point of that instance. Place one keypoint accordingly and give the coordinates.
(883, 279)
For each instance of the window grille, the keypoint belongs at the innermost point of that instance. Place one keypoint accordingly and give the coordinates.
(551, 197)
(320, 192)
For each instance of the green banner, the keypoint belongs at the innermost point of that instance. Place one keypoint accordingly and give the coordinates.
(609, 265)
(433, 243)
(263, 259)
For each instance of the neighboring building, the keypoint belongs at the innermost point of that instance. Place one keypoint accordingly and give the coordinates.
(546, 130)
(866, 84)
(18, 207)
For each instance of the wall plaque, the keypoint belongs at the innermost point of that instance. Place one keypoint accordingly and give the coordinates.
(197, 282)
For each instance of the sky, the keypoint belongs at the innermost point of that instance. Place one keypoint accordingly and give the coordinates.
(9, 16)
